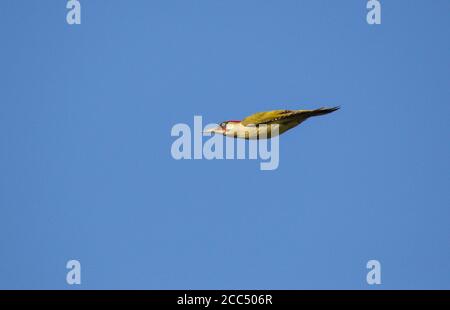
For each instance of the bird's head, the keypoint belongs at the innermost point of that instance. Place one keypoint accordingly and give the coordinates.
(222, 128)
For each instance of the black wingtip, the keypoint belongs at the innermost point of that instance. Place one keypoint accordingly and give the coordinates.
(334, 108)
(329, 110)
(323, 111)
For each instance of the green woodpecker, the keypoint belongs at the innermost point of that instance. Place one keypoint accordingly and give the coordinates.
(267, 124)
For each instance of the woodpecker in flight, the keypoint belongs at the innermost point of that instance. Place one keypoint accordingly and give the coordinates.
(262, 125)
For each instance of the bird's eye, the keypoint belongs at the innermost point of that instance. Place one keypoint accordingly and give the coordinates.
(223, 125)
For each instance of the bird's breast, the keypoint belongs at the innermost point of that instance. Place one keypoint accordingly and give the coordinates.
(252, 132)
(261, 131)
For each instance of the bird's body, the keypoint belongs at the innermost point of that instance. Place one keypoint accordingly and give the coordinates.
(267, 124)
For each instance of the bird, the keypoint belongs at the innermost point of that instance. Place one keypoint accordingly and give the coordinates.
(261, 125)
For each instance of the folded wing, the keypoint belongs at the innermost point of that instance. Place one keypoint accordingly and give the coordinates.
(282, 116)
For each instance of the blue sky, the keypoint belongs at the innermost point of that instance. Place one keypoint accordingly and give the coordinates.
(86, 171)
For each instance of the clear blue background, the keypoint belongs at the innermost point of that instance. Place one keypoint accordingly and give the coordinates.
(86, 171)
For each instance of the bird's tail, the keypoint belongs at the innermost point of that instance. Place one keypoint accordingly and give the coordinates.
(321, 111)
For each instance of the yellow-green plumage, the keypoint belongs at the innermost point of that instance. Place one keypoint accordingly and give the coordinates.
(286, 119)
(284, 116)
(267, 124)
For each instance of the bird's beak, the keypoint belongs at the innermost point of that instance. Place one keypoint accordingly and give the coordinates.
(218, 130)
